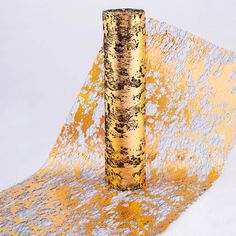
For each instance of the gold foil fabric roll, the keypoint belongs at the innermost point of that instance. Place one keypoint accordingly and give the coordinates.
(124, 64)
(190, 130)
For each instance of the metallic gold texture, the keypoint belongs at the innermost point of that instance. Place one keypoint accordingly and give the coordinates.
(124, 63)
(190, 129)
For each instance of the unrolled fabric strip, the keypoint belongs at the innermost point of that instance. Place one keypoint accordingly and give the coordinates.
(190, 129)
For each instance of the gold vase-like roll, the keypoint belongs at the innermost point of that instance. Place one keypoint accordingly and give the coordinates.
(124, 63)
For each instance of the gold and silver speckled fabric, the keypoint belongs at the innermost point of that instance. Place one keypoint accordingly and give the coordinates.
(190, 129)
(124, 94)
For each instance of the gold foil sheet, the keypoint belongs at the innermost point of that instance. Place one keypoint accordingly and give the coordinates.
(190, 129)
(124, 80)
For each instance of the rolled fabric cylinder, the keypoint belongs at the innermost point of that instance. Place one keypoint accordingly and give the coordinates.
(124, 63)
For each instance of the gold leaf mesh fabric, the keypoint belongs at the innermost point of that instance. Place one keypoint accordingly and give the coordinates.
(124, 54)
(190, 129)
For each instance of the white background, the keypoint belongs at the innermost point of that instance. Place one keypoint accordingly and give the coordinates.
(46, 50)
